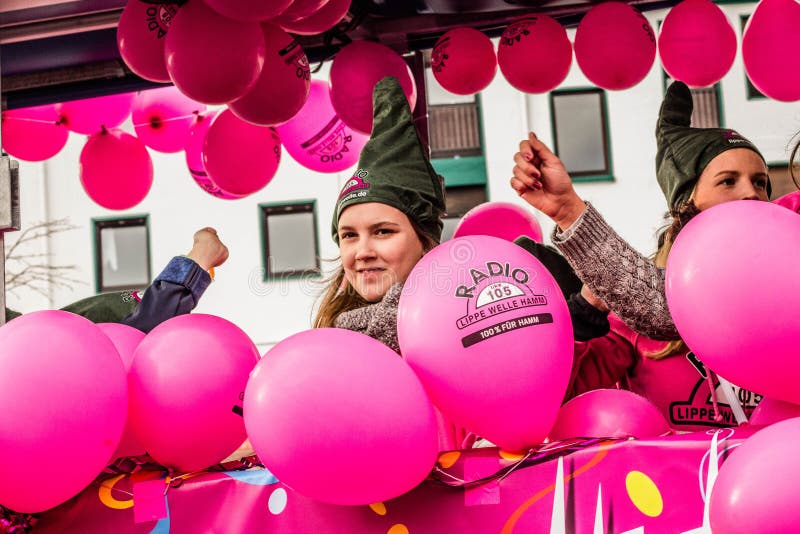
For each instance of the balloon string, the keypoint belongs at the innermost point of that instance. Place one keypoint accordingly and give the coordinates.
(171, 119)
(38, 121)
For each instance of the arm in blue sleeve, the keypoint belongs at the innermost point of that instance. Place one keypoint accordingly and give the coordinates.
(176, 291)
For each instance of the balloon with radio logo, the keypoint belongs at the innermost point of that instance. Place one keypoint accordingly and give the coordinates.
(463, 61)
(545, 40)
(487, 330)
(317, 138)
(141, 33)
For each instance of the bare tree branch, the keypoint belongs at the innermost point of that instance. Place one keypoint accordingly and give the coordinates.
(33, 270)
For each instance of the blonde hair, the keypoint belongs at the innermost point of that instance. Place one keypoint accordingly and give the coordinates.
(679, 218)
(339, 296)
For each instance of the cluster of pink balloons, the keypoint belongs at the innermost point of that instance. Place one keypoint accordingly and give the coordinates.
(217, 52)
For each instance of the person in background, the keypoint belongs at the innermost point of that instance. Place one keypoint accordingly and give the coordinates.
(176, 291)
(697, 168)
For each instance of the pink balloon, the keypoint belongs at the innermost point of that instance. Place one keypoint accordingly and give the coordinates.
(355, 71)
(90, 115)
(186, 386)
(282, 88)
(317, 138)
(239, 157)
(535, 54)
(697, 43)
(771, 411)
(125, 340)
(211, 58)
(615, 45)
(721, 315)
(162, 118)
(487, 330)
(63, 398)
(318, 419)
(790, 201)
(194, 157)
(115, 169)
(609, 413)
(249, 10)
(140, 37)
(323, 20)
(463, 61)
(303, 8)
(756, 487)
(499, 219)
(769, 49)
(33, 134)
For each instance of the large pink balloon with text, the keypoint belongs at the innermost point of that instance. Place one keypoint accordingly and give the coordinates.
(535, 54)
(354, 73)
(340, 417)
(615, 46)
(697, 43)
(756, 490)
(463, 61)
(141, 33)
(317, 138)
(186, 387)
(282, 87)
(211, 58)
(738, 320)
(487, 330)
(240, 158)
(609, 413)
(499, 219)
(33, 134)
(63, 399)
(769, 49)
(115, 169)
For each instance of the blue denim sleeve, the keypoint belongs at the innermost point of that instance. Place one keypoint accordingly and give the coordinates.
(176, 291)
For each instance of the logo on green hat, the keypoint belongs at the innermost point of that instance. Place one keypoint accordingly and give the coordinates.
(355, 186)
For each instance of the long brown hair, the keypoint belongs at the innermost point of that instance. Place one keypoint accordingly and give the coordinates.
(339, 297)
(792, 157)
(680, 216)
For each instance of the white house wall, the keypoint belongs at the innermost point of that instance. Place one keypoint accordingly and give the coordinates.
(270, 311)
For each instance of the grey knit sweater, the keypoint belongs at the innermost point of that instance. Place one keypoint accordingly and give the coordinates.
(629, 283)
(378, 321)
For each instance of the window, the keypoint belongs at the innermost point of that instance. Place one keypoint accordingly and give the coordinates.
(289, 234)
(752, 92)
(122, 253)
(580, 133)
(459, 200)
(707, 111)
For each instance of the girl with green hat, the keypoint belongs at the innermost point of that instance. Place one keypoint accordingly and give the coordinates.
(697, 168)
(387, 216)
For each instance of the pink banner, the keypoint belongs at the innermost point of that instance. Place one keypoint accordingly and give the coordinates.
(655, 485)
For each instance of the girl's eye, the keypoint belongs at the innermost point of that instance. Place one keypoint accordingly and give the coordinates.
(347, 235)
(384, 231)
(728, 181)
(761, 184)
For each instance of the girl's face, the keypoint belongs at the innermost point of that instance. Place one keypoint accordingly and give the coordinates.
(736, 174)
(379, 247)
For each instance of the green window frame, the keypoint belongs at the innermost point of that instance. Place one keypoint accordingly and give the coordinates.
(284, 209)
(587, 175)
(129, 221)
